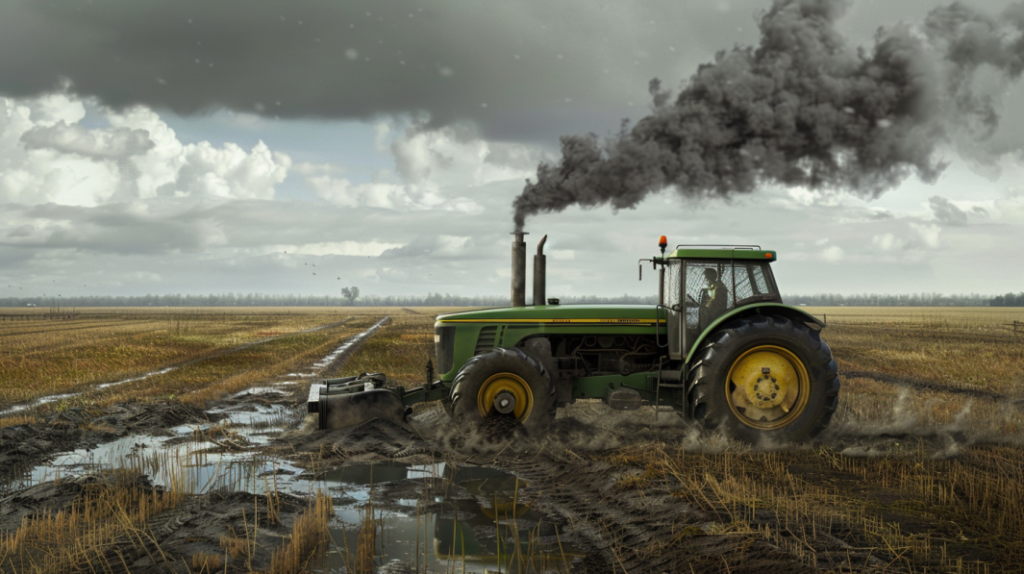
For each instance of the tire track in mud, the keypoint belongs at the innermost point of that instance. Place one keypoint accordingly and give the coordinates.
(657, 527)
(338, 356)
(629, 531)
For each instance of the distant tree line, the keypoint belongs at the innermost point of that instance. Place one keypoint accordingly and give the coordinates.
(884, 300)
(350, 297)
(354, 298)
(1008, 300)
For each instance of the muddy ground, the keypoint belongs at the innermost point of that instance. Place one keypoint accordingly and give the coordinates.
(569, 480)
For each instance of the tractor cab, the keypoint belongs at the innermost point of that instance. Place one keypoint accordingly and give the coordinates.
(701, 284)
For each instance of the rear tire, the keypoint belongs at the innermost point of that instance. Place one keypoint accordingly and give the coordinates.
(764, 377)
(488, 377)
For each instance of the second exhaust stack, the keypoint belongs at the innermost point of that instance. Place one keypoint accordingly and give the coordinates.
(540, 274)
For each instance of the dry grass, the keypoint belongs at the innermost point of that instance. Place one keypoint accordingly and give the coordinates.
(401, 349)
(203, 563)
(965, 347)
(56, 357)
(920, 512)
(18, 420)
(105, 519)
(309, 535)
(213, 354)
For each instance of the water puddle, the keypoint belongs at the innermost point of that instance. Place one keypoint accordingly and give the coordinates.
(201, 458)
(441, 519)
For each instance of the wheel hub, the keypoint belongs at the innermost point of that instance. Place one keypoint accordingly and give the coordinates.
(505, 393)
(767, 387)
(505, 402)
(766, 392)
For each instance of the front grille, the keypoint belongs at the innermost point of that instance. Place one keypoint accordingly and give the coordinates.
(485, 342)
(444, 348)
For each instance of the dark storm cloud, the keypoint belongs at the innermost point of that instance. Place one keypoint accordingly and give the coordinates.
(519, 69)
(802, 108)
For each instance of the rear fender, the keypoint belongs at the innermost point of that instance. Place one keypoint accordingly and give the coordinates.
(777, 309)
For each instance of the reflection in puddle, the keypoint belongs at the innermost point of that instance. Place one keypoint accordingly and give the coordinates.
(466, 518)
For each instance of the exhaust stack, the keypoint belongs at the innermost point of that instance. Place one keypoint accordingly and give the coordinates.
(540, 274)
(519, 270)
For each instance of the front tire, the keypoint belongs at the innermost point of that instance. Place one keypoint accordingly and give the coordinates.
(764, 377)
(503, 383)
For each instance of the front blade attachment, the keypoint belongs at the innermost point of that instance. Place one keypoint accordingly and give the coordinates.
(350, 401)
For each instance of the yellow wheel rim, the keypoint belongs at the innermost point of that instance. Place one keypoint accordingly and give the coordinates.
(504, 509)
(507, 382)
(767, 387)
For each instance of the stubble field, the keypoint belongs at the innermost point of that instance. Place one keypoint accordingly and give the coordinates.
(922, 469)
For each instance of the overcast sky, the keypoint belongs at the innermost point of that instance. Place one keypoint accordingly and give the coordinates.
(200, 147)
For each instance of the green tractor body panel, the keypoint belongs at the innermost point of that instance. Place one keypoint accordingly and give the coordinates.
(557, 313)
(470, 332)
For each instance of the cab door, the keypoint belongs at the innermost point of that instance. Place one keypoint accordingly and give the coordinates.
(674, 308)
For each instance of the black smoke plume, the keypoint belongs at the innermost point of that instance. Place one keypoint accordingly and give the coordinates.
(800, 109)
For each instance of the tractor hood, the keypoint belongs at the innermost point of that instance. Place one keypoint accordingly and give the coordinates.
(619, 314)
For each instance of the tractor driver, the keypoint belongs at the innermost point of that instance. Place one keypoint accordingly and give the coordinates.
(714, 298)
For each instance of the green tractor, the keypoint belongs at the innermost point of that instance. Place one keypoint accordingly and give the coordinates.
(720, 348)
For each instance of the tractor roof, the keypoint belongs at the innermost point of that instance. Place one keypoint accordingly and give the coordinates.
(722, 252)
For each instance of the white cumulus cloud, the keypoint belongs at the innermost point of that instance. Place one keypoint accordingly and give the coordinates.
(48, 156)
